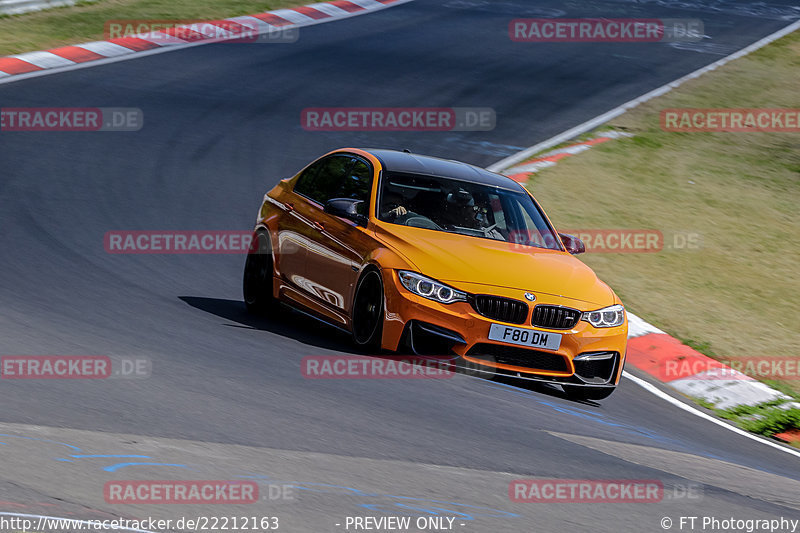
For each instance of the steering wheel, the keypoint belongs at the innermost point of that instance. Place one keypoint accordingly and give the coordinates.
(421, 222)
(490, 228)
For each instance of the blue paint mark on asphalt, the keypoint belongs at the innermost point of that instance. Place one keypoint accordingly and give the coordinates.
(123, 456)
(114, 468)
(41, 440)
(393, 505)
(354, 491)
(64, 460)
(410, 498)
(434, 510)
(599, 418)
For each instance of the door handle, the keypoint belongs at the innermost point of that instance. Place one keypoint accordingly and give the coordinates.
(318, 225)
(289, 207)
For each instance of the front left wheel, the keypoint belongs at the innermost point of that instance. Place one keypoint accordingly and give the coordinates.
(368, 311)
(257, 280)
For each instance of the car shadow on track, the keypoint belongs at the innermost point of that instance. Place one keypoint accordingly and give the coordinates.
(286, 323)
(298, 326)
(540, 388)
(456, 366)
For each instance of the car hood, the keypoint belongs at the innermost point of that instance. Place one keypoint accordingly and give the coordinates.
(458, 259)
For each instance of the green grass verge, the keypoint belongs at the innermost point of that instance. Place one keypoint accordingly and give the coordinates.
(765, 419)
(736, 295)
(86, 21)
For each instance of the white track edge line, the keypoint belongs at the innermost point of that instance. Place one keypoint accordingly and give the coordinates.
(617, 111)
(686, 407)
(11, 78)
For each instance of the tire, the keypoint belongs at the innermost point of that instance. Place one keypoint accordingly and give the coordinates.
(257, 278)
(587, 393)
(368, 311)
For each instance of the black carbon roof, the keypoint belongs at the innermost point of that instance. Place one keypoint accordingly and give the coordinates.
(410, 163)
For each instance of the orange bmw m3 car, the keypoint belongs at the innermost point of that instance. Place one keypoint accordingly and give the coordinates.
(410, 252)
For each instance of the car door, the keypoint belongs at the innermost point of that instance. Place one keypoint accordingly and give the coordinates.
(294, 229)
(300, 235)
(340, 245)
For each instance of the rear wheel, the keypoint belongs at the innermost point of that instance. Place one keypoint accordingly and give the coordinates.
(368, 311)
(588, 393)
(257, 280)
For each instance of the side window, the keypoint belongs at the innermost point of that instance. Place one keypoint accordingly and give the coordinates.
(305, 183)
(320, 180)
(357, 185)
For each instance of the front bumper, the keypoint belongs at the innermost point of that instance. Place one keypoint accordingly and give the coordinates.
(587, 355)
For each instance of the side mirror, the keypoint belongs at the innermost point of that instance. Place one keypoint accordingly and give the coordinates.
(573, 244)
(346, 208)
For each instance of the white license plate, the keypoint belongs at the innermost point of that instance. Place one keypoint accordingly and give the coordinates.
(525, 337)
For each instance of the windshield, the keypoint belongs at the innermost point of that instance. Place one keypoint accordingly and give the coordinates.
(466, 208)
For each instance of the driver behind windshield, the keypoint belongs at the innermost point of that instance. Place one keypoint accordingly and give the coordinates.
(466, 211)
(459, 209)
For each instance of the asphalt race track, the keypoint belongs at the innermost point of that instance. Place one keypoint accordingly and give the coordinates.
(225, 397)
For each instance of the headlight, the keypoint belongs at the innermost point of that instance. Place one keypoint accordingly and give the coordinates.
(607, 317)
(430, 288)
